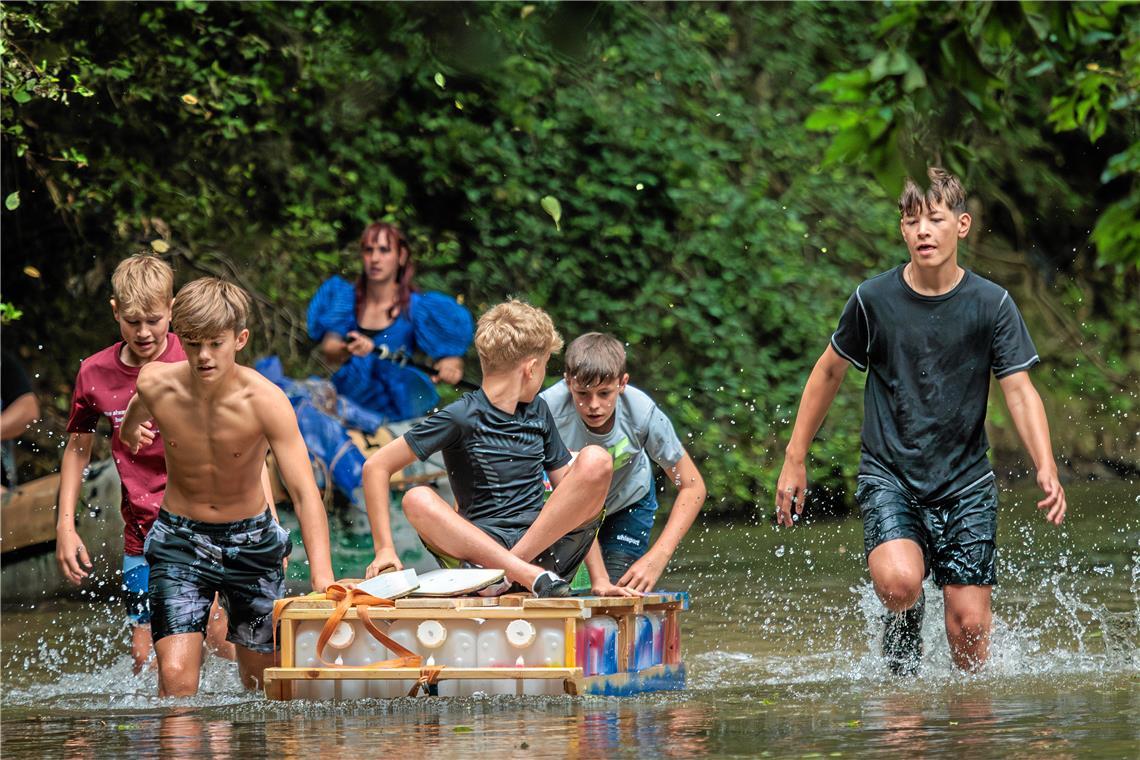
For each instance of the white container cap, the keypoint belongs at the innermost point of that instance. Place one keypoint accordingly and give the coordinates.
(342, 636)
(520, 633)
(431, 634)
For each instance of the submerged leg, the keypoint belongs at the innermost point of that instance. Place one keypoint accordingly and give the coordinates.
(252, 665)
(179, 664)
(897, 568)
(968, 624)
(140, 645)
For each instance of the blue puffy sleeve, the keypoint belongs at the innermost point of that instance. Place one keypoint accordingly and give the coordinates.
(332, 308)
(441, 325)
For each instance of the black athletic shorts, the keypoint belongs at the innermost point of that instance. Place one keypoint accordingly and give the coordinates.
(957, 535)
(241, 561)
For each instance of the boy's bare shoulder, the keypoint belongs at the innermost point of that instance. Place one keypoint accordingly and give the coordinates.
(155, 377)
(262, 392)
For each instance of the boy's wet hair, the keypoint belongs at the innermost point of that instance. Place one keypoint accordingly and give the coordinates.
(944, 188)
(208, 307)
(511, 332)
(595, 358)
(142, 284)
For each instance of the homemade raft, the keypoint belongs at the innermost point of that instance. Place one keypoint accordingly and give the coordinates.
(515, 644)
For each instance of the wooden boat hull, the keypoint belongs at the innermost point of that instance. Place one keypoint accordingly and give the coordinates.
(29, 572)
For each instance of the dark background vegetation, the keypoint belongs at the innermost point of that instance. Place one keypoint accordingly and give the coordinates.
(726, 174)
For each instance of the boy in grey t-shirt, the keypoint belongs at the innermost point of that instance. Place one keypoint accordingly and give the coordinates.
(594, 405)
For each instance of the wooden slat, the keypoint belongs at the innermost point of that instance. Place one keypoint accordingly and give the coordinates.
(625, 639)
(28, 514)
(436, 603)
(397, 674)
(467, 613)
(671, 631)
(288, 634)
(570, 638)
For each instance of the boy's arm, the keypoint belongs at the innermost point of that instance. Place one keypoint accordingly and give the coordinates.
(18, 416)
(136, 431)
(70, 552)
(600, 584)
(280, 425)
(378, 470)
(1033, 427)
(819, 393)
(644, 573)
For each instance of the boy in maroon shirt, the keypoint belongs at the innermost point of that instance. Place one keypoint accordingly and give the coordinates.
(143, 288)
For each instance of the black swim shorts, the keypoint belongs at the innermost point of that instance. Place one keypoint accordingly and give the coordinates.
(957, 535)
(191, 560)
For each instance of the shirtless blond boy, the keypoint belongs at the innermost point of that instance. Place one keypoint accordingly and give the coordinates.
(215, 532)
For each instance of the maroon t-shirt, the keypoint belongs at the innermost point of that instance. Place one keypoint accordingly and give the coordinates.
(103, 388)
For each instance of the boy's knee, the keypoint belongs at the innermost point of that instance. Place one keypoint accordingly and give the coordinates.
(899, 590)
(178, 678)
(595, 463)
(417, 501)
(968, 626)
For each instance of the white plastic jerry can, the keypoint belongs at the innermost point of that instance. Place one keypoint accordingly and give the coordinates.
(540, 644)
(495, 652)
(305, 655)
(403, 632)
(454, 646)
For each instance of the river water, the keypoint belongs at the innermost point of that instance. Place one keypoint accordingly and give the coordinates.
(781, 646)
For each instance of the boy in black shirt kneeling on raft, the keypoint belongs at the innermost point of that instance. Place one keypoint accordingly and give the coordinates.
(497, 442)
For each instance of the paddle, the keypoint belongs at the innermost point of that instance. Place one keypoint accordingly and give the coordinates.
(404, 359)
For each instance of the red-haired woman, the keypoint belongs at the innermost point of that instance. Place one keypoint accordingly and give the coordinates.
(384, 308)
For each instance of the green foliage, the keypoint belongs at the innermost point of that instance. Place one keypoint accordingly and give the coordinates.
(985, 89)
(694, 213)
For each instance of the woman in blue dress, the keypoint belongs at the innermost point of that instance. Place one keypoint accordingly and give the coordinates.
(350, 320)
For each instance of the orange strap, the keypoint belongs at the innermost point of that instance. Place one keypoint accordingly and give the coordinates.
(352, 597)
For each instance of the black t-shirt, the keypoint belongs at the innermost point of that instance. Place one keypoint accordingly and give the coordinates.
(494, 460)
(929, 360)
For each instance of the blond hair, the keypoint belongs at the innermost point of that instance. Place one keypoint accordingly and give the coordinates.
(595, 358)
(944, 188)
(142, 283)
(513, 331)
(208, 307)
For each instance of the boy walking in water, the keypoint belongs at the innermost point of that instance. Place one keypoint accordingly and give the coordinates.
(496, 442)
(142, 288)
(215, 532)
(594, 404)
(928, 333)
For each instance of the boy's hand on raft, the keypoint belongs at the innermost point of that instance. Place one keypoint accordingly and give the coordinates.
(790, 492)
(1054, 502)
(72, 557)
(386, 559)
(642, 575)
(612, 589)
(139, 438)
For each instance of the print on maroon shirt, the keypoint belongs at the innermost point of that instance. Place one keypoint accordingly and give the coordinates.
(103, 388)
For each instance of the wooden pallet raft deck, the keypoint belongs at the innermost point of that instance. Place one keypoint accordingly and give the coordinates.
(559, 649)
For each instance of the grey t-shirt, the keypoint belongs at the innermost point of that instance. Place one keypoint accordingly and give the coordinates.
(494, 460)
(640, 432)
(929, 360)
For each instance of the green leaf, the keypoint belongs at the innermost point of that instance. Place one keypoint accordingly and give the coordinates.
(12, 202)
(21, 95)
(551, 206)
(439, 80)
